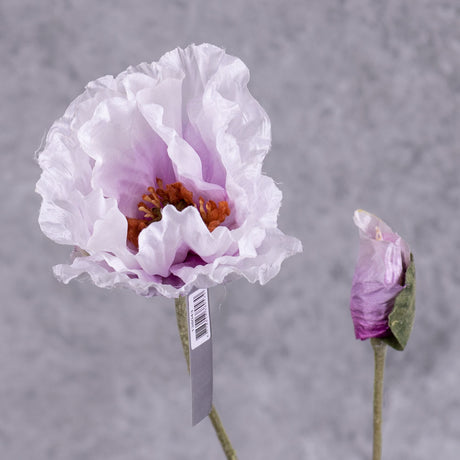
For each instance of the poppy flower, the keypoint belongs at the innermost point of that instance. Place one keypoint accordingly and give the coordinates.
(155, 178)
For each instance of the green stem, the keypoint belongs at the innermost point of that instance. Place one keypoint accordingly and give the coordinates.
(182, 325)
(380, 349)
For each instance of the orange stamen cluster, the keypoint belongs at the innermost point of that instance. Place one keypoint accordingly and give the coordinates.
(213, 214)
(177, 195)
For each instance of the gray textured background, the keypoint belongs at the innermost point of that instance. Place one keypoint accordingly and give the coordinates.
(364, 98)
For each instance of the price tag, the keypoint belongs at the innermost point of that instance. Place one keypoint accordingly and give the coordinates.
(200, 348)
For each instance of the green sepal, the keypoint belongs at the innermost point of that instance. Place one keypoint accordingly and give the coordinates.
(401, 319)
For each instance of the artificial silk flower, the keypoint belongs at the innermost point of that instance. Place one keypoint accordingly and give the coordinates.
(382, 300)
(379, 278)
(154, 177)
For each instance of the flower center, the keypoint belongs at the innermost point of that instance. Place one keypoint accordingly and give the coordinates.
(180, 197)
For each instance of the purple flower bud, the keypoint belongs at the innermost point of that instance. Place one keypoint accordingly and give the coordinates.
(379, 275)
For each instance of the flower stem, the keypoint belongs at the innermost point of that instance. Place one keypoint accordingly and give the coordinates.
(222, 435)
(182, 325)
(380, 349)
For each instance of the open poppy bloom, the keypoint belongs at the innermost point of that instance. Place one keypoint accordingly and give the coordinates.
(154, 177)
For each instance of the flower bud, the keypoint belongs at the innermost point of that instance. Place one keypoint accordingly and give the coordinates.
(383, 290)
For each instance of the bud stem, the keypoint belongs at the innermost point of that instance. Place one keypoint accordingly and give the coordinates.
(182, 325)
(380, 349)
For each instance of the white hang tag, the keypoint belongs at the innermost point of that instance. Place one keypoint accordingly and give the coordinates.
(200, 349)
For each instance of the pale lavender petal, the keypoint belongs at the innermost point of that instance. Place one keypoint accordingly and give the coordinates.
(128, 154)
(185, 161)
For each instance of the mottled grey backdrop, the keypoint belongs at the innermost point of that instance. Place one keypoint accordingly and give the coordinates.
(364, 98)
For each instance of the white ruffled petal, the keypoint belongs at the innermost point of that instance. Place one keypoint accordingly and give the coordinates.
(167, 242)
(262, 267)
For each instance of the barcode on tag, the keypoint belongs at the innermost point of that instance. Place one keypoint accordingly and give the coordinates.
(200, 330)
